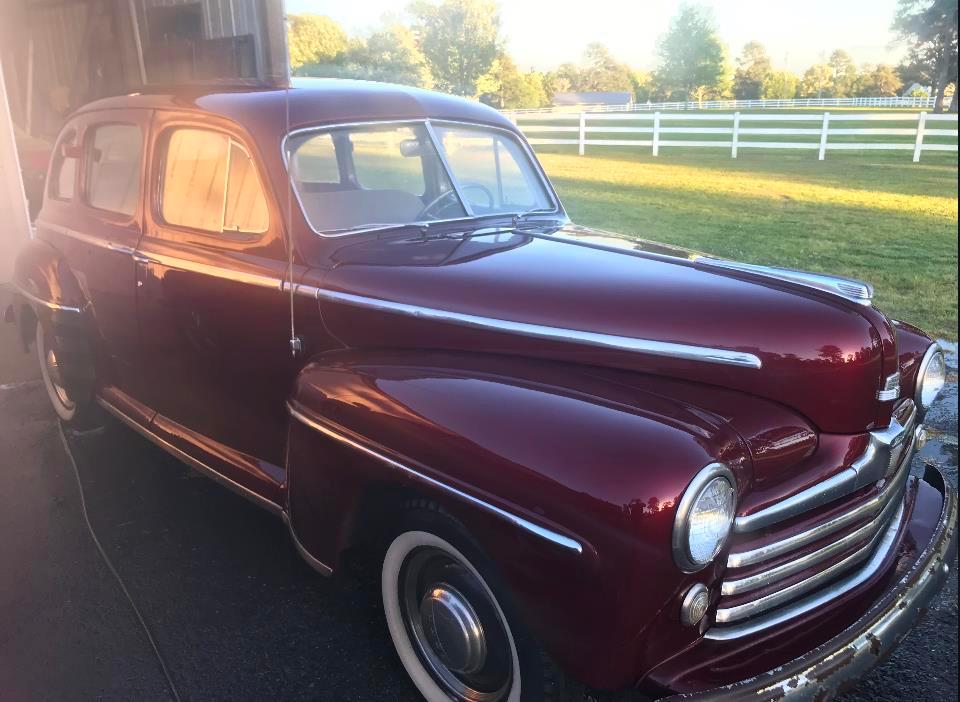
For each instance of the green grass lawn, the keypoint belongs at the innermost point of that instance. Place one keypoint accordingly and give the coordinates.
(871, 215)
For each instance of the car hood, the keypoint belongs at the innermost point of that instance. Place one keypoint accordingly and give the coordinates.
(492, 291)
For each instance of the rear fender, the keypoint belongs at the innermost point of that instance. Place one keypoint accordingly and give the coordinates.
(50, 294)
(566, 480)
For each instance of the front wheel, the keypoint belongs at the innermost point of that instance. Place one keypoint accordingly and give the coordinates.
(452, 623)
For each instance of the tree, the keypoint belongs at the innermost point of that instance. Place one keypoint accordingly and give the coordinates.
(878, 81)
(844, 73)
(818, 82)
(505, 87)
(753, 70)
(460, 40)
(692, 60)
(390, 55)
(603, 73)
(930, 28)
(780, 85)
(314, 39)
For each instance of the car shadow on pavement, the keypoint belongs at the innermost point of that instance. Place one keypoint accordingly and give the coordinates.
(235, 611)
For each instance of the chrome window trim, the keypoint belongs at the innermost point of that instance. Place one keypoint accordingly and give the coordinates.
(426, 121)
(681, 520)
(537, 331)
(869, 508)
(785, 570)
(542, 532)
(932, 351)
(886, 543)
(47, 303)
(871, 466)
(850, 289)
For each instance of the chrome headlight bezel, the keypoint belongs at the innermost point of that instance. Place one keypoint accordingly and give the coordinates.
(933, 352)
(681, 523)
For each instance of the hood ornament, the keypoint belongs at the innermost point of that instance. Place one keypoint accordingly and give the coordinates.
(848, 288)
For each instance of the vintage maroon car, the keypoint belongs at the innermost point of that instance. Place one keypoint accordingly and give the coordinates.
(363, 307)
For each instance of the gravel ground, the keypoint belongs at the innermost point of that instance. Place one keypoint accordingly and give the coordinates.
(234, 611)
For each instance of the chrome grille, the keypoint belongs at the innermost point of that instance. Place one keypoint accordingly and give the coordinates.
(801, 568)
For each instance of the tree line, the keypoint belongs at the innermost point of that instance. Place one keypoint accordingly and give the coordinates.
(456, 46)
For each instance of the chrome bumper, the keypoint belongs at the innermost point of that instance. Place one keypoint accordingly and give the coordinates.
(847, 657)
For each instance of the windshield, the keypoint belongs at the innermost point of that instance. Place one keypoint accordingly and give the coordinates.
(370, 176)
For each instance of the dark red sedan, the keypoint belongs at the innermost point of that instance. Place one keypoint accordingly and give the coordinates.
(586, 461)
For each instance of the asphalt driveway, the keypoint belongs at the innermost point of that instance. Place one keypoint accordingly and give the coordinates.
(234, 611)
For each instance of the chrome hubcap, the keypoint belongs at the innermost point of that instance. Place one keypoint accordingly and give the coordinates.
(53, 375)
(453, 629)
(457, 630)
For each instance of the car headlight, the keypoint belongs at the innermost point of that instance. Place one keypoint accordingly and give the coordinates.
(704, 517)
(931, 377)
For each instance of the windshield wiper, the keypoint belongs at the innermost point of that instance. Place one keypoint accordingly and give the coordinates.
(369, 228)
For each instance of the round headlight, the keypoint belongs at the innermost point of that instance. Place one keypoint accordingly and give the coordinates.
(704, 517)
(931, 377)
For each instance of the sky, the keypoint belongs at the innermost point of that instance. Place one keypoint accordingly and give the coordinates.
(542, 35)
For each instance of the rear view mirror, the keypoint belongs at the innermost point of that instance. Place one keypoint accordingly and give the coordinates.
(410, 147)
(69, 151)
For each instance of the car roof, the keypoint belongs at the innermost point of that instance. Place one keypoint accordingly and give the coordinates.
(312, 101)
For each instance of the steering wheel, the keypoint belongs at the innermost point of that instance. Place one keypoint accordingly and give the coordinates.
(483, 189)
(432, 205)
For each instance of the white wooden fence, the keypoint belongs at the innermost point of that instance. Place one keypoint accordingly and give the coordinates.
(784, 104)
(815, 127)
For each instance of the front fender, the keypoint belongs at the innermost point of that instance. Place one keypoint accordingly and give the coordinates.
(502, 443)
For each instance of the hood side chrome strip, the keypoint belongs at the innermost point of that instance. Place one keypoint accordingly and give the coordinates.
(847, 288)
(538, 331)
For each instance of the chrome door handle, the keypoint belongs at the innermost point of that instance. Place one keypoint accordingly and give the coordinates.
(120, 248)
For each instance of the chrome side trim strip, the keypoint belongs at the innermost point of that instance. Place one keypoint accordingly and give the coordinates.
(867, 509)
(848, 288)
(829, 594)
(538, 331)
(46, 303)
(768, 577)
(547, 534)
(870, 467)
(317, 565)
(190, 460)
(182, 264)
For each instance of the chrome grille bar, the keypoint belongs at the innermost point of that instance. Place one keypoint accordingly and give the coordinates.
(768, 577)
(885, 447)
(867, 509)
(764, 604)
(818, 599)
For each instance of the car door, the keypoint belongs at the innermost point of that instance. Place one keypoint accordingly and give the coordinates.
(214, 321)
(94, 217)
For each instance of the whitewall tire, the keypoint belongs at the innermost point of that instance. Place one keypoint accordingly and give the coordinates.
(449, 630)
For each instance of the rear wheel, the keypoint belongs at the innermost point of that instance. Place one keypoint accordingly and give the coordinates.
(76, 411)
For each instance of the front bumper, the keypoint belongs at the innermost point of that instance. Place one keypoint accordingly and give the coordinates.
(842, 661)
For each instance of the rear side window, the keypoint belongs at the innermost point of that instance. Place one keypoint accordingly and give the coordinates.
(113, 159)
(63, 173)
(210, 183)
